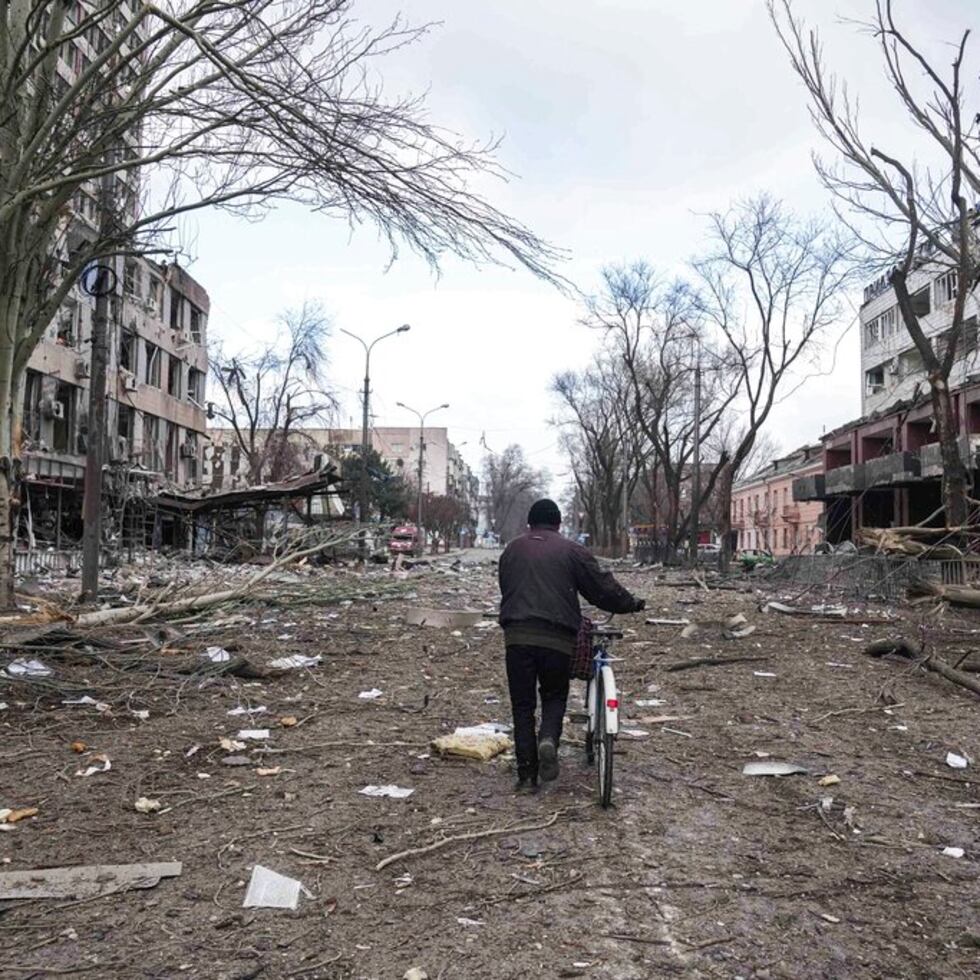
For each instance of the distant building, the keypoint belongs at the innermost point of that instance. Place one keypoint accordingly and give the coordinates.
(764, 512)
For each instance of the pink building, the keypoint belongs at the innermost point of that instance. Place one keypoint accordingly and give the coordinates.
(764, 514)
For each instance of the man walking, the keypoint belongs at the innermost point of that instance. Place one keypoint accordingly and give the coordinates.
(541, 575)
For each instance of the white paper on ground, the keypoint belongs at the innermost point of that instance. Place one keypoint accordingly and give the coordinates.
(248, 711)
(295, 661)
(370, 695)
(217, 655)
(953, 852)
(268, 889)
(955, 761)
(395, 792)
(254, 733)
(772, 769)
(483, 729)
(27, 668)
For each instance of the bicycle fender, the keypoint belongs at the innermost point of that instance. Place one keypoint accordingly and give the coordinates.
(612, 701)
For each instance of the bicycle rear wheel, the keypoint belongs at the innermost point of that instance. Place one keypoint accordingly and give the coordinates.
(603, 746)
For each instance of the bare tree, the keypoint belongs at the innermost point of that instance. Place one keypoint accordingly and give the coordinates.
(769, 289)
(269, 397)
(511, 486)
(239, 105)
(908, 215)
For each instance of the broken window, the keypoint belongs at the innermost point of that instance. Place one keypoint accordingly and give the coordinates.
(195, 385)
(152, 372)
(66, 334)
(197, 323)
(176, 318)
(151, 442)
(62, 411)
(920, 302)
(31, 424)
(945, 288)
(127, 350)
(170, 451)
(174, 375)
(153, 294)
(874, 380)
(131, 280)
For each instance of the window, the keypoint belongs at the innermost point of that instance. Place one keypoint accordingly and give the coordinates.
(131, 278)
(920, 302)
(127, 350)
(882, 327)
(176, 317)
(31, 424)
(785, 537)
(153, 294)
(125, 422)
(874, 380)
(66, 335)
(944, 288)
(175, 373)
(195, 385)
(152, 373)
(197, 322)
(151, 442)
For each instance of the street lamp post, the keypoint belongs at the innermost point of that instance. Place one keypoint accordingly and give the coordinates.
(362, 506)
(422, 416)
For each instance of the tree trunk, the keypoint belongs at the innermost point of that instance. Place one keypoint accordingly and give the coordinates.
(725, 510)
(955, 475)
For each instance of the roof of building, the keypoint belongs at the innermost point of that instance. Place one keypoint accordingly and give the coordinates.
(784, 465)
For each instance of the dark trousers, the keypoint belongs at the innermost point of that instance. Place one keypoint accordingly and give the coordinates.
(530, 669)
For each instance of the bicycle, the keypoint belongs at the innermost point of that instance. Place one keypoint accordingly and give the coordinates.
(602, 704)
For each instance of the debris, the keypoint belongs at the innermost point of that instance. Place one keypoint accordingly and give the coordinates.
(26, 668)
(955, 761)
(268, 889)
(84, 881)
(772, 769)
(146, 805)
(676, 731)
(99, 706)
(667, 622)
(819, 612)
(231, 744)
(763, 673)
(255, 734)
(662, 719)
(78, 747)
(395, 792)
(236, 760)
(712, 662)
(829, 780)
(261, 709)
(829, 918)
(14, 816)
(217, 655)
(471, 744)
(443, 618)
(295, 662)
(288, 721)
(649, 702)
(415, 973)
(463, 921)
(634, 732)
(273, 771)
(100, 762)
(371, 695)
(738, 634)
(906, 651)
(689, 631)
(953, 852)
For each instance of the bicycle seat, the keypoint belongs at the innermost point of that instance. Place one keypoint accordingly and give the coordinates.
(608, 632)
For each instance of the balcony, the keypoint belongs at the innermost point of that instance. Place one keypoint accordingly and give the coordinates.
(738, 523)
(791, 513)
(892, 470)
(762, 518)
(931, 460)
(845, 479)
(809, 487)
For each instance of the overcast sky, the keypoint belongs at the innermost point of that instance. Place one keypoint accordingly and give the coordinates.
(624, 121)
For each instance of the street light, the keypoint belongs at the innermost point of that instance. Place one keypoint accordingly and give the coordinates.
(365, 445)
(422, 416)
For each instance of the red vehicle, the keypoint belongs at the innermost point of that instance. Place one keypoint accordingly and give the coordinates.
(403, 540)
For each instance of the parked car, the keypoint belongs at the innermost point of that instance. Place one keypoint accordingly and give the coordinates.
(750, 558)
(404, 539)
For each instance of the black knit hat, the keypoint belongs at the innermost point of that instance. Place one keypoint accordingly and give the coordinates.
(544, 512)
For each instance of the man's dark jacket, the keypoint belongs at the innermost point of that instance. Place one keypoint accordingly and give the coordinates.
(541, 575)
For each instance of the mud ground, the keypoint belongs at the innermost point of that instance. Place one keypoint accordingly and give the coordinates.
(696, 871)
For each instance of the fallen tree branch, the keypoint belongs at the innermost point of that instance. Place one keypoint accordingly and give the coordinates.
(712, 662)
(457, 838)
(906, 651)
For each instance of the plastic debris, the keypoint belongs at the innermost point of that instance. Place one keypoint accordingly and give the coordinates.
(763, 673)
(84, 881)
(953, 852)
(141, 715)
(255, 734)
(217, 655)
(240, 710)
(22, 667)
(772, 769)
(395, 792)
(145, 805)
(99, 706)
(295, 662)
(371, 695)
(955, 761)
(100, 763)
(268, 889)
(828, 780)
(463, 921)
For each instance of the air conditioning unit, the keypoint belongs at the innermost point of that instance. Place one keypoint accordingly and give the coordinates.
(129, 382)
(82, 369)
(188, 450)
(57, 410)
(893, 366)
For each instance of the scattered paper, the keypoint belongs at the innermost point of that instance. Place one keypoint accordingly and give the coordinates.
(141, 715)
(634, 732)
(98, 705)
(649, 702)
(772, 769)
(231, 744)
(270, 890)
(295, 661)
(463, 921)
(762, 673)
(100, 763)
(395, 792)
(255, 734)
(248, 711)
(146, 805)
(371, 695)
(955, 761)
(953, 852)
(217, 655)
(27, 668)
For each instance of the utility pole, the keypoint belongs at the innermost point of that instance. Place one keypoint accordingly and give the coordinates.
(362, 504)
(103, 284)
(422, 416)
(696, 472)
(626, 510)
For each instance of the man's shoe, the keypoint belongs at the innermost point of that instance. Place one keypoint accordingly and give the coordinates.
(526, 786)
(547, 760)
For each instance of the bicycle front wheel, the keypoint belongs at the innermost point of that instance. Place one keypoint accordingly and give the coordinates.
(603, 745)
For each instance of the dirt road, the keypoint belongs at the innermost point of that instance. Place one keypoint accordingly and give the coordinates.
(697, 871)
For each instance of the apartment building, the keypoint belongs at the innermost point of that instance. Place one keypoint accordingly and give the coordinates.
(884, 468)
(764, 512)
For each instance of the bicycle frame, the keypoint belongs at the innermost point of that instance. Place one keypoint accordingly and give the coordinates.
(601, 665)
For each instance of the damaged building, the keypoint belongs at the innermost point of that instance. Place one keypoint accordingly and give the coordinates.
(156, 427)
(885, 469)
